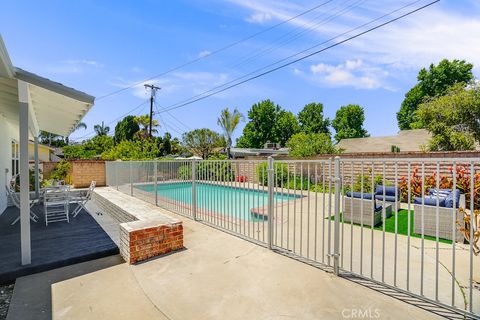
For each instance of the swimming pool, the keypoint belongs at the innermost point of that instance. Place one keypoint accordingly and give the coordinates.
(226, 200)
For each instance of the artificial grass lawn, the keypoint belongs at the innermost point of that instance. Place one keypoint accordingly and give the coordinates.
(402, 227)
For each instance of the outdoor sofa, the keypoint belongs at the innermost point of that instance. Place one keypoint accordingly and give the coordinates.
(372, 205)
(448, 203)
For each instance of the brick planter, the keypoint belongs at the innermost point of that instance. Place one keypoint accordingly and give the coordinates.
(145, 231)
(141, 241)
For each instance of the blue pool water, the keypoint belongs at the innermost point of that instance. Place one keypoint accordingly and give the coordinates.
(226, 200)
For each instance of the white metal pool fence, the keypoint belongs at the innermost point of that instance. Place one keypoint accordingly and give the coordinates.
(408, 224)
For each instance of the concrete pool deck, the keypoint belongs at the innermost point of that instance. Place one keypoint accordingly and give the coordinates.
(302, 227)
(218, 276)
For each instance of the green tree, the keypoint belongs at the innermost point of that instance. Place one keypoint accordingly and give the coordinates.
(348, 122)
(101, 129)
(433, 82)
(267, 123)
(126, 129)
(140, 149)
(229, 121)
(309, 144)
(89, 149)
(51, 139)
(176, 146)
(452, 119)
(167, 144)
(312, 120)
(202, 142)
(80, 125)
(286, 126)
(144, 123)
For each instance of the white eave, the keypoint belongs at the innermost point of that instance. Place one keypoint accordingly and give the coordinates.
(54, 108)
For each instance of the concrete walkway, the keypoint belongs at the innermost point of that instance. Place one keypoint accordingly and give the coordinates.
(218, 276)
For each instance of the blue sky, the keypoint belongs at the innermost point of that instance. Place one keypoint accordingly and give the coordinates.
(102, 46)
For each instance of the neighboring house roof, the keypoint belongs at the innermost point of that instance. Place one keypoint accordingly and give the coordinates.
(244, 152)
(406, 140)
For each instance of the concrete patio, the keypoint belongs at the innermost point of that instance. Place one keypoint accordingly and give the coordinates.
(217, 276)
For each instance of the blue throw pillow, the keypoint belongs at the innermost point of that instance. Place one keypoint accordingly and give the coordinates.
(430, 201)
(450, 197)
(442, 193)
(389, 191)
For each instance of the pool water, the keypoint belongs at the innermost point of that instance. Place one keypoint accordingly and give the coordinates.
(226, 200)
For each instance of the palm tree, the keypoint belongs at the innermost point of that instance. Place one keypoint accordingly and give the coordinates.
(229, 121)
(101, 130)
(80, 125)
(144, 124)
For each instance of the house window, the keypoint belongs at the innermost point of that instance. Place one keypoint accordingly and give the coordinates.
(15, 157)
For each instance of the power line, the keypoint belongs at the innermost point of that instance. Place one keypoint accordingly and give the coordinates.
(153, 90)
(116, 119)
(304, 28)
(215, 51)
(165, 123)
(201, 96)
(157, 107)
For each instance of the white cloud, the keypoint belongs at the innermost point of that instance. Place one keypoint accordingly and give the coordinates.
(351, 73)
(437, 32)
(259, 17)
(204, 53)
(86, 62)
(416, 43)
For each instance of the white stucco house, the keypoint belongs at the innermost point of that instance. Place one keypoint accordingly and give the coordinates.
(30, 103)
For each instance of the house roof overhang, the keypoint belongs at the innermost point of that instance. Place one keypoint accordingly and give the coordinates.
(53, 107)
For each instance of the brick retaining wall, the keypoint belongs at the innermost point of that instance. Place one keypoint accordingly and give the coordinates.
(145, 232)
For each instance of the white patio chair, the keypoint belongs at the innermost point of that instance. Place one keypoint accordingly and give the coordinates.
(81, 201)
(56, 205)
(15, 198)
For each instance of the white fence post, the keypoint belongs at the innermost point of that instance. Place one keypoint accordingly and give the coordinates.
(116, 174)
(336, 232)
(271, 182)
(194, 189)
(131, 182)
(155, 173)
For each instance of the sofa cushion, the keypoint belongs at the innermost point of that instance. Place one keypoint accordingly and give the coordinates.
(449, 199)
(387, 198)
(358, 195)
(389, 191)
(430, 201)
(443, 193)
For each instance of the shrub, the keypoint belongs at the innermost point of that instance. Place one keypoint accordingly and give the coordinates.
(367, 182)
(310, 144)
(184, 172)
(417, 187)
(298, 183)
(61, 171)
(215, 171)
(31, 181)
(280, 171)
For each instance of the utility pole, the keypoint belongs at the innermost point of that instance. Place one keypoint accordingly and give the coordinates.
(153, 89)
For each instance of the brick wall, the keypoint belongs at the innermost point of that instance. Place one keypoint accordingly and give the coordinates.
(145, 243)
(144, 231)
(47, 169)
(83, 172)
